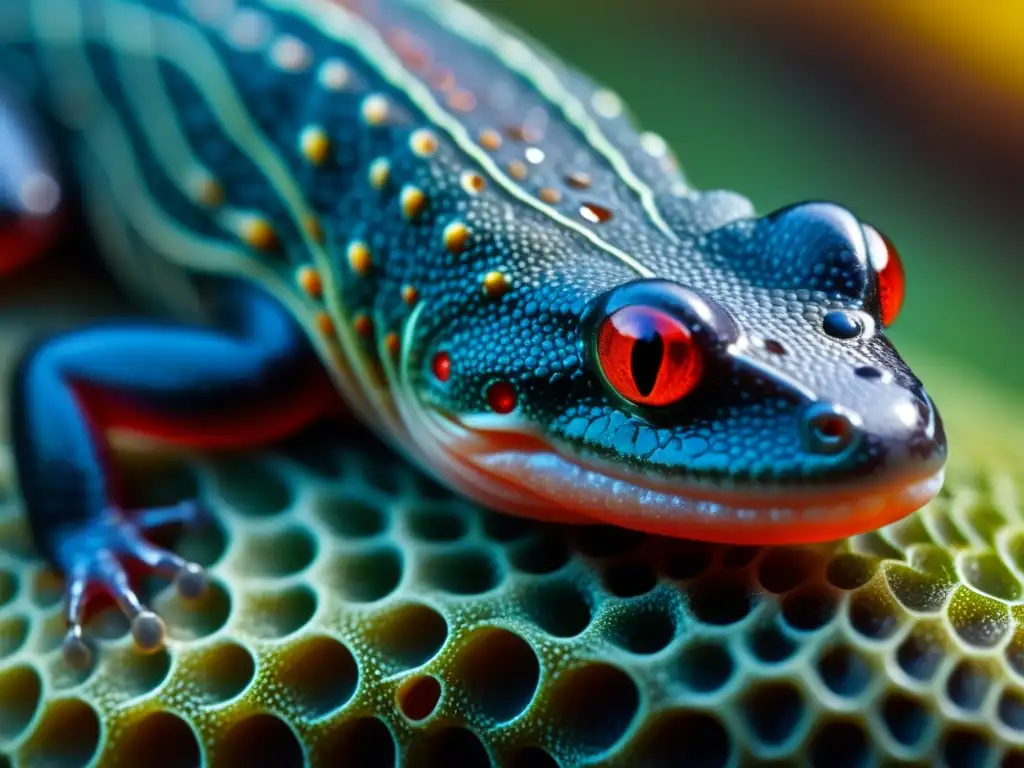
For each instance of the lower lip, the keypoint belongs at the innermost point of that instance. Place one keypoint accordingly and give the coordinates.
(547, 477)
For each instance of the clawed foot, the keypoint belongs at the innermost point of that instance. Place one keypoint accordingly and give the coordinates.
(91, 557)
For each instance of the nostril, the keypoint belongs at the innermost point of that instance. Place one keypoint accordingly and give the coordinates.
(829, 430)
(870, 372)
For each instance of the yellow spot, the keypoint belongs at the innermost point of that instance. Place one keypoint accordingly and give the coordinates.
(209, 192)
(315, 145)
(375, 109)
(334, 75)
(490, 139)
(309, 281)
(410, 295)
(258, 234)
(423, 142)
(324, 324)
(517, 170)
(380, 173)
(359, 257)
(473, 183)
(393, 344)
(413, 202)
(496, 284)
(653, 144)
(363, 325)
(314, 229)
(456, 235)
(550, 195)
(607, 104)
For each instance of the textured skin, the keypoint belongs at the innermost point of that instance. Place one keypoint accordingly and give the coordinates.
(556, 646)
(406, 179)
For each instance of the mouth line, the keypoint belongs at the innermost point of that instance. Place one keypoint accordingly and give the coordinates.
(546, 473)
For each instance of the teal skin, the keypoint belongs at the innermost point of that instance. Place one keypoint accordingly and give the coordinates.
(453, 218)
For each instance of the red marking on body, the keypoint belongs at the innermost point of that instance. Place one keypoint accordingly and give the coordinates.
(441, 366)
(235, 428)
(501, 397)
(23, 239)
(892, 279)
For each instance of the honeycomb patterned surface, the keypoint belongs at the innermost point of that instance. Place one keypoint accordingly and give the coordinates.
(360, 615)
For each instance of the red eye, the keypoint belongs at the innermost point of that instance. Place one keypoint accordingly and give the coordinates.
(892, 280)
(648, 356)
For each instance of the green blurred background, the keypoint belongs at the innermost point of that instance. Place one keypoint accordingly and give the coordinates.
(911, 114)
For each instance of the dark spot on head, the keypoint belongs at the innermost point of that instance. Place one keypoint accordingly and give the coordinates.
(578, 180)
(870, 372)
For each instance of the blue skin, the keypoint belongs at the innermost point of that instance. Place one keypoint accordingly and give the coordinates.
(805, 424)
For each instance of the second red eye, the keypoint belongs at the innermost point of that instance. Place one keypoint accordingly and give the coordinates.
(892, 280)
(648, 356)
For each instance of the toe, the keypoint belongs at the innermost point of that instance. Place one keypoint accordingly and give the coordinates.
(75, 650)
(191, 581)
(148, 632)
(189, 578)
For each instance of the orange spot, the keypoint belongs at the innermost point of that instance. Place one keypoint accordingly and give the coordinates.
(363, 325)
(578, 180)
(209, 193)
(324, 324)
(380, 173)
(258, 234)
(410, 295)
(376, 109)
(393, 344)
(360, 260)
(456, 236)
(423, 142)
(413, 202)
(309, 281)
(315, 145)
(550, 195)
(517, 170)
(490, 139)
(473, 183)
(496, 284)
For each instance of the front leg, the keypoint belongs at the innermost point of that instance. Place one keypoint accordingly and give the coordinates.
(253, 382)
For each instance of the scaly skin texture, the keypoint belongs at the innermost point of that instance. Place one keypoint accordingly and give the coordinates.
(450, 219)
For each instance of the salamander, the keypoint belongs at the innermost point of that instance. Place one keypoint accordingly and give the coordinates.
(408, 206)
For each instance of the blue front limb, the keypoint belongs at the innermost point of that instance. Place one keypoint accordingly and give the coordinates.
(156, 372)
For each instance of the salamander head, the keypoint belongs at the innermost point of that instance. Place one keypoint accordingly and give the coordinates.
(755, 399)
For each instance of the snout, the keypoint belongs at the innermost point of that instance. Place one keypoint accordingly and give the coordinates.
(894, 433)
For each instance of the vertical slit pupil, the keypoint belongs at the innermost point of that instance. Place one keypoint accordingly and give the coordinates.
(645, 361)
